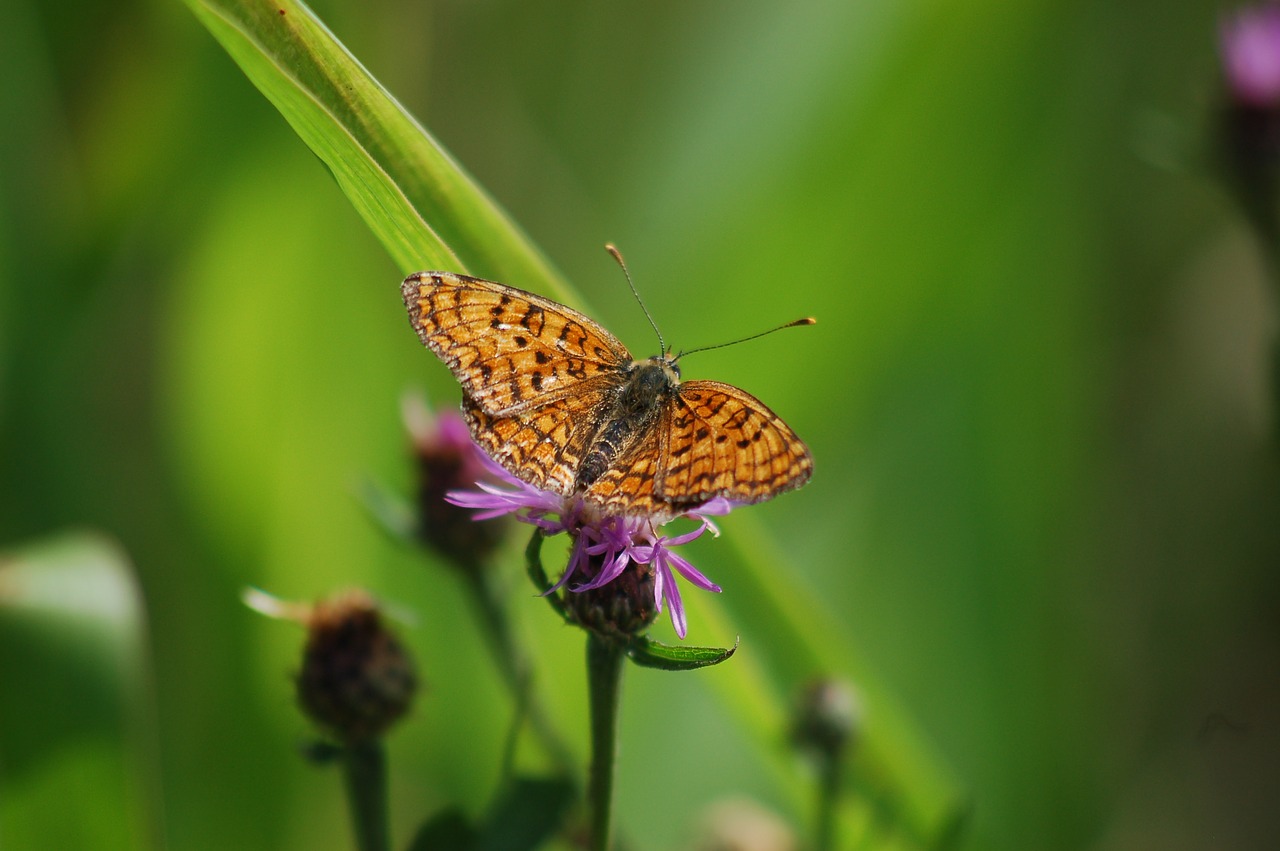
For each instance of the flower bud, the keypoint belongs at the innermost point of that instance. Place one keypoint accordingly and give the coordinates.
(356, 678)
(826, 718)
(621, 608)
(448, 460)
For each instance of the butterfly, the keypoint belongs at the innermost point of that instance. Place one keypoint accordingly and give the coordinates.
(559, 402)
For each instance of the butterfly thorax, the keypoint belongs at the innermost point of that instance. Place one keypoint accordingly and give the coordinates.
(635, 409)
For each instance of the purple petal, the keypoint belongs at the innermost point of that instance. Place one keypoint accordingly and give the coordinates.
(499, 472)
(688, 571)
(672, 593)
(452, 430)
(660, 581)
(610, 572)
(575, 558)
(1250, 44)
(678, 540)
(715, 507)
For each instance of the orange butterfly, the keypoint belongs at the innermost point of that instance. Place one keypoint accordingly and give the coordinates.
(560, 403)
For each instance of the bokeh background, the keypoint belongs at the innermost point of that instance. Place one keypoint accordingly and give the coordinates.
(1045, 510)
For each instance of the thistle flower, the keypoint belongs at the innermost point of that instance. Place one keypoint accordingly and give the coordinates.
(606, 549)
(1250, 44)
(1249, 134)
(447, 459)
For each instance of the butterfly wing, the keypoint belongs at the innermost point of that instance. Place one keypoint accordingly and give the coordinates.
(512, 351)
(543, 446)
(627, 487)
(722, 441)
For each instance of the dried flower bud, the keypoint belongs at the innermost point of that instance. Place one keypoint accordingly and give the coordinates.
(623, 607)
(356, 678)
(448, 460)
(826, 718)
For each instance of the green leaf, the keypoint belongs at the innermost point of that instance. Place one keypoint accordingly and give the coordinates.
(447, 830)
(529, 812)
(648, 653)
(423, 207)
(79, 718)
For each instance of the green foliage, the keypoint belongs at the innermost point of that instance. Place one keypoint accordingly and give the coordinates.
(528, 813)
(72, 633)
(1041, 536)
(648, 653)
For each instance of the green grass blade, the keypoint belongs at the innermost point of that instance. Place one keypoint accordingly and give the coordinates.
(423, 207)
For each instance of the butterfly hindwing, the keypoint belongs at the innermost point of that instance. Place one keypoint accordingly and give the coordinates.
(545, 445)
(722, 441)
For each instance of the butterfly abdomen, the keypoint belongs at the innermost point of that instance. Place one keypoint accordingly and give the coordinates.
(634, 411)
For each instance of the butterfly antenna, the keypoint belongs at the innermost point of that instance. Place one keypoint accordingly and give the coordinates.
(617, 255)
(808, 320)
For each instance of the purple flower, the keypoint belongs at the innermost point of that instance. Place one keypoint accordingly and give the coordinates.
(1250, 44)
(604, 545)
(448, 459)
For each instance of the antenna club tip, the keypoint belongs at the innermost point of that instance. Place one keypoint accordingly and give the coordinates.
(808, 320)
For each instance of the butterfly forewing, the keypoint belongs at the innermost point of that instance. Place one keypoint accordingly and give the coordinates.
(722, 441)
(511, 350)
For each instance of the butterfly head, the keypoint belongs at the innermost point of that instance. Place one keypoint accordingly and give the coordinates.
(664, 364)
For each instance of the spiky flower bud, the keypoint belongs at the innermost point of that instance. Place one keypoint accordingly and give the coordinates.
(356, 677)
(826, 718)
(621, 608)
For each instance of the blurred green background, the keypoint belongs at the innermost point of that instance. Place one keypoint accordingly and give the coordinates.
(1045, 508)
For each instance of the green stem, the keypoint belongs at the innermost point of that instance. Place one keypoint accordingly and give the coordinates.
(828, 801)
(514, 665)
(364, 768)
(604, 682)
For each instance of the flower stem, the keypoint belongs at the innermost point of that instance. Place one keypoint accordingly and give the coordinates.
(514, 665)
(364, 768)
(604, 682)
(828, 800)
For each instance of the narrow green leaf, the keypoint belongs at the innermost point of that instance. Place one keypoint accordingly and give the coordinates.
(648, 653)
(423, 207)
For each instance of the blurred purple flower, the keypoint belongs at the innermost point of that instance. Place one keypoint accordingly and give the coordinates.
(610, 543)
(1250, 44)
(448, 459)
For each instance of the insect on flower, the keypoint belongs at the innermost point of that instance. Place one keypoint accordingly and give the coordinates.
(561, 404)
